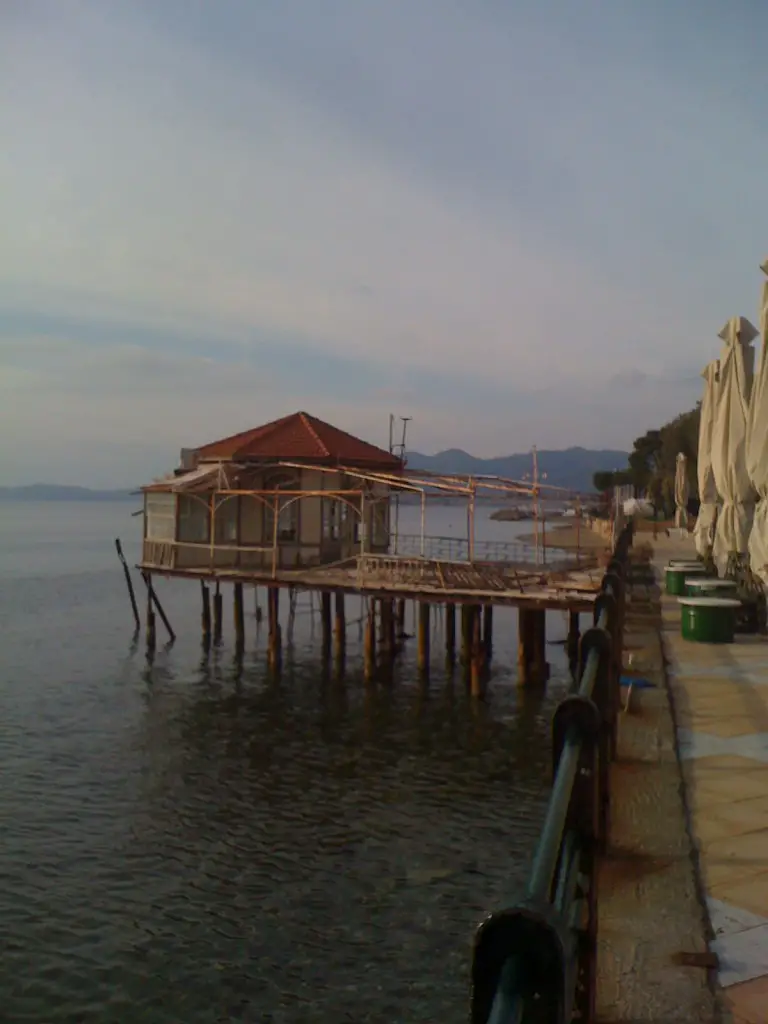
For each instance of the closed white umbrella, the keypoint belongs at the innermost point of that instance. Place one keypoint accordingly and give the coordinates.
(681, 494)
(703, 533)
(757, 446)
(729, 433)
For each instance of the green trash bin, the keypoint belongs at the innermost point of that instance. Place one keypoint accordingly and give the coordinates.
(708, 620)
(708, 586)
(676, 576)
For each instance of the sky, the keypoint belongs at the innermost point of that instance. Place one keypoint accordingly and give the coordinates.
(520, 222)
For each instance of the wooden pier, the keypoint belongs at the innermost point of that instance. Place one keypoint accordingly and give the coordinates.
(300, 506)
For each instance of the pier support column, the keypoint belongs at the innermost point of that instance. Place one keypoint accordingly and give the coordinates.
(237, 600)
(531, 649)
(450, 635)
(275, 642)
(488, 631)
(467, 611)
(400, 619)
(477, 667)
(423, 639)
(340, 633)
(151, 630)
(217, 615)
(257, 610)
(205, 618)
(325, 621)
(387, 629)
(572, 644)
(369, 642)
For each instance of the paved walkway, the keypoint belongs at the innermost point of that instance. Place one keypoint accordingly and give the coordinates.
(720, 694)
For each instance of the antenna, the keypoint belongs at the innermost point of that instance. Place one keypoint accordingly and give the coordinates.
(406, 420)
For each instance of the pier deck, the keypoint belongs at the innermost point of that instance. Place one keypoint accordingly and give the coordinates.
(554, 587)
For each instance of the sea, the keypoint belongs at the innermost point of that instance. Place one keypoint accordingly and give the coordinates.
(187, 840)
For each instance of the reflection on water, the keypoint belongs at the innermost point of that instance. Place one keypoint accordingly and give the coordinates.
(189, 841)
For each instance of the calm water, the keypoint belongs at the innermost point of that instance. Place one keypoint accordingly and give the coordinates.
(185, 841)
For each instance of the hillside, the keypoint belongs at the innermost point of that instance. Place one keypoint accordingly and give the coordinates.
(572, 468)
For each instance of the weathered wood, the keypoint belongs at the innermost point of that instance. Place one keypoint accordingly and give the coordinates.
(275, 640)
(340, 632)
(450, 634)
(151, 632)
(205, 618)
(423, 649)
(467, 618)
(153, 599)
(217, 614)
(239, 618)
(325, 621)
(400, 619)
(369, 652)
(488, 631)
(129, 584)
(477, 667)
(532, 663)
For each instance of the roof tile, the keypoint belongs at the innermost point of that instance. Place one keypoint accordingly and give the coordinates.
(302, 437)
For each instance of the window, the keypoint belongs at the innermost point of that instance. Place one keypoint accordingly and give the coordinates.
(194, 519)
(227, 515)
(288, 509)
(161, 516)
(331, 519)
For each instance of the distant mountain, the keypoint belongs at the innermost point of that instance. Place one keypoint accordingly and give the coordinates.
(572, 468)
(55, 492)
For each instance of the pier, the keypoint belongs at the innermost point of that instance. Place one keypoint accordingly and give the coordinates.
(298, 506)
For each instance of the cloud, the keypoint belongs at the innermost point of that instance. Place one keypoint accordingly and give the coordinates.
(516, 227)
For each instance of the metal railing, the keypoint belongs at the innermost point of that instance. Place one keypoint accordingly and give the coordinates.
(456, 549)
(536, 961)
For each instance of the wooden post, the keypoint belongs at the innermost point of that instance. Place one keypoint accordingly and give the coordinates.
(450, 634)
(205, 593)
(275, 648)
(129, 584)
(237, 601)
(217, 614)
(401, 619)
(369, 639)
(572, 644)
(423, 639)
(488, 631)
(155, 600)
(478, 660)
(541, 668)
(531, 657)
(385, 628)
(325, 620)
(466, 633)
(257, 611)
(151, 633)
(340, 632)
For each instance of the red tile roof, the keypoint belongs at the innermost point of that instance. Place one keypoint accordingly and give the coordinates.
(302, 438)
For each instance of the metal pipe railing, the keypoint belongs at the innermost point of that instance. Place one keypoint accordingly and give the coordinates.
(535, 961)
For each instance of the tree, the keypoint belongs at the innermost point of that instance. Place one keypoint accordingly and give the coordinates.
(603, 480)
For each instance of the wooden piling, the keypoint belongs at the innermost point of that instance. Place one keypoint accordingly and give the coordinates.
(400, 619)
(572, 644)
(450, 634)
(237, 602)
(217, 615)
(340, 632)
(129, 584)
(531, 650)
(387, 629)
(205, 618)
(325, 621)
(151, 632)
(275, 641)
(369, 639)
(488, 631)
(477, 667)
(467, 612)
(153, 599)
(423, 639)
